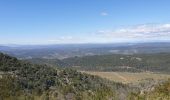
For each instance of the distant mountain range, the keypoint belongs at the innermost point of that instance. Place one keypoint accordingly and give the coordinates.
(62, 51)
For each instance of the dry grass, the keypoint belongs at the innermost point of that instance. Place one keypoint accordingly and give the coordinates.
(127, 77)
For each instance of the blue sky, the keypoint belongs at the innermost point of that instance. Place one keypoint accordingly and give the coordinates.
(83, 21)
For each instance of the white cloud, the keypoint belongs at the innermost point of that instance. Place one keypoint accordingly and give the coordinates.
(67, 39)
(104, 14)
(145, 31)
(58, 39)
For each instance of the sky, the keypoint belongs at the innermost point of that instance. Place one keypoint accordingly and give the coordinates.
(83, 21)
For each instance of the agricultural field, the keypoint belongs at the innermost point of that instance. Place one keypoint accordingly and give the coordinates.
(128, 77)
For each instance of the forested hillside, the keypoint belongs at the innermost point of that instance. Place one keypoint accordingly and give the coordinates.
(135, 63)
(159, 62)
(21, 80)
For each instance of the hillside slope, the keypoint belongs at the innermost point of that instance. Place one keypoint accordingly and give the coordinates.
(21, 80)
(160, 92)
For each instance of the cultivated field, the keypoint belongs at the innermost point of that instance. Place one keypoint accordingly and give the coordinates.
(127, 77)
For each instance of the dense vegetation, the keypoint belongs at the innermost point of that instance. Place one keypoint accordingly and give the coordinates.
(160, 92)
(20, 80)
(117, 62)
(49, 62)
(137, 62)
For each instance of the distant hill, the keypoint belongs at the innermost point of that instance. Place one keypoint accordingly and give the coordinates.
(159, 62)
(49, 62)
(62, 51)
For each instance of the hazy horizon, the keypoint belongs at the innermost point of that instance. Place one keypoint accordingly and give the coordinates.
(109, 43)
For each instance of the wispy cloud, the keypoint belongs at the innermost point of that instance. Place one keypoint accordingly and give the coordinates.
(145, 31)
(104, 14)
(67, 39)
